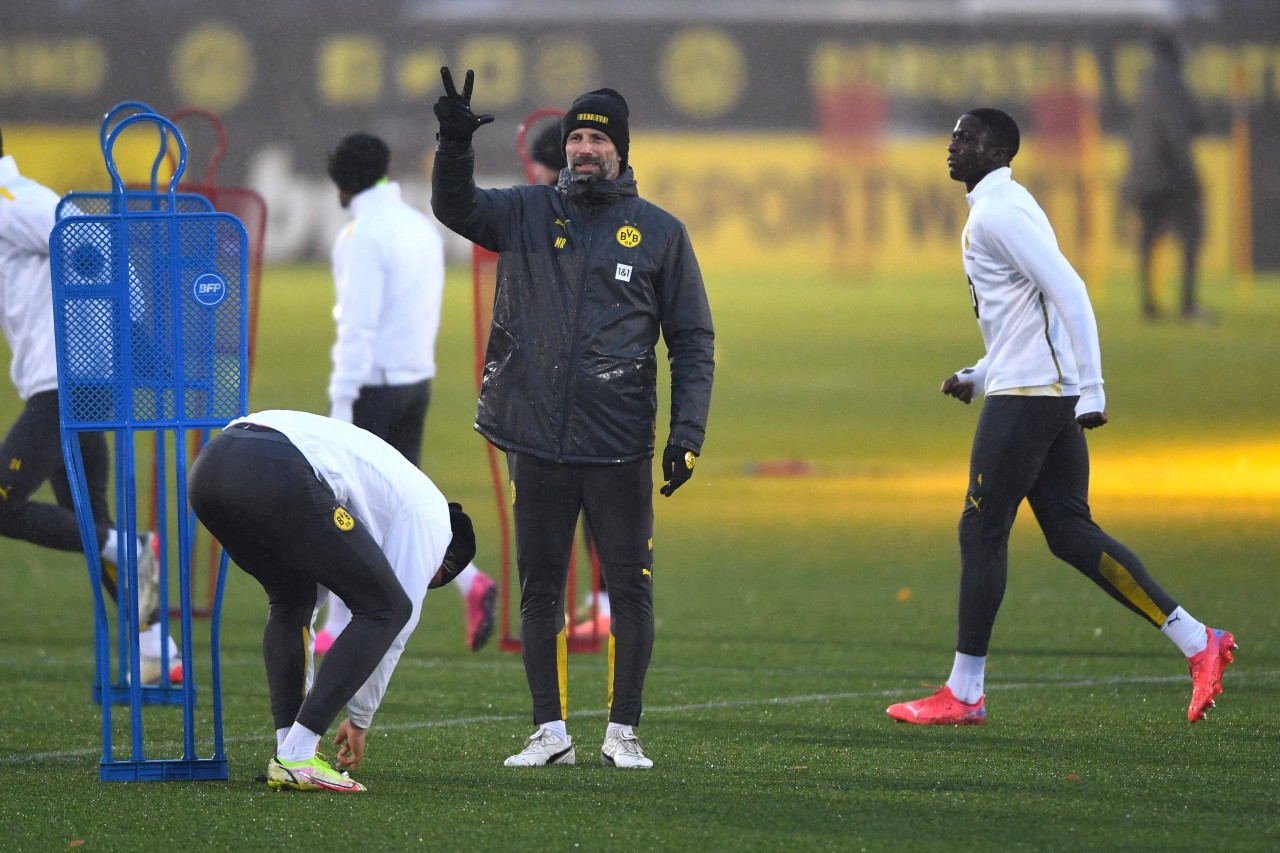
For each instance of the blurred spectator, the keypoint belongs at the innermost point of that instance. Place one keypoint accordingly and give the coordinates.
(388, 270)
(1162, 183)
(547, 153)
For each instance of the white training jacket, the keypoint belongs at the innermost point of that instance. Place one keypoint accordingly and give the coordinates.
(1033, 308)
(388, 271)
(401, 508)
(26, 290)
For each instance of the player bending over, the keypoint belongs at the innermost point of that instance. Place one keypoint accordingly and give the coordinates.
(300, 501)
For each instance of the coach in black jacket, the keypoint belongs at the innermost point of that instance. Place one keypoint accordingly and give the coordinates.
(589, 274)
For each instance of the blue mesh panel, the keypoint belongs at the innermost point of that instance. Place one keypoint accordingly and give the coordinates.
(152, 319)
(136, 201)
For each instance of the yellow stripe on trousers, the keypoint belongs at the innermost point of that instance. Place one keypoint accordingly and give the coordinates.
(1119, 577)
(611, 653)
(562, 669)
(307, 661)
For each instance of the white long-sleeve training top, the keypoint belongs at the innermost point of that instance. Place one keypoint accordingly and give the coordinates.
(388, 271)
(401, 508)
(26, 292)
(1033, 308)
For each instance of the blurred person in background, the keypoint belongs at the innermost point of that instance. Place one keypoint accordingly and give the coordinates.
(388, 271)
(31, 451)
(1162, 183)
(589, 276)
(547, 154)
(1042, 380)
(301, 503)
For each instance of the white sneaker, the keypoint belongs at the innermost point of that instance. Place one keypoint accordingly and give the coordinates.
(149, 669)
(544, 747)
(625, 751)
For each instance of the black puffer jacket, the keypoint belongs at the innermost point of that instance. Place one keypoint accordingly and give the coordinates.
(586, 281)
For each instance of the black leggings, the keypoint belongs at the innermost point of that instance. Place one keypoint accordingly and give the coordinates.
(1031, 447)
(258, 495)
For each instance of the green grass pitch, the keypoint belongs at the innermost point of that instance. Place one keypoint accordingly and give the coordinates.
(791, 611)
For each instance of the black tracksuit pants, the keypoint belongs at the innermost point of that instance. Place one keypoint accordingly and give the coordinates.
(30, 455)
(397, 414)
(618, 502)
(1031, 447)
(258, 495)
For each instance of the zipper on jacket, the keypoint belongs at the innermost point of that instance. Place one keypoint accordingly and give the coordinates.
(571, 371)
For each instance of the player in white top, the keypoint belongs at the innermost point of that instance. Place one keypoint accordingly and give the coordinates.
(31, 451)
(300, 501)
(388, 271)
(1042, 377)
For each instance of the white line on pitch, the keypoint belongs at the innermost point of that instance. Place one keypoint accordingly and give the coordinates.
(69, 755)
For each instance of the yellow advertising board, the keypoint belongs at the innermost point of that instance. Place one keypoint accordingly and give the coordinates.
(68, 158)
(796, 204)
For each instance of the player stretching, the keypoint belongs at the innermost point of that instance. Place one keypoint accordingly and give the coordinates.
(1042, 376)
(301, 502)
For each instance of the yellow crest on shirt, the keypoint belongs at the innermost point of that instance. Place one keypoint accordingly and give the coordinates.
(966, 239)
(629, 236)
(342, 519)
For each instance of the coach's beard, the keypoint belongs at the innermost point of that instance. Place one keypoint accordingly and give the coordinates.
(587, 177)
(588, 187)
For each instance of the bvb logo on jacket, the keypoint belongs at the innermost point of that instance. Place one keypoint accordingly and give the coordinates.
(629, 236)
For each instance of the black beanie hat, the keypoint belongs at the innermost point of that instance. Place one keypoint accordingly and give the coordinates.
(606, 111)
(548, 148)
(359, 162)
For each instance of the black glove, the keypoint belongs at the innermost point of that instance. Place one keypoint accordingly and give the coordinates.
(677, 467)
(457, 122)
(461, 550)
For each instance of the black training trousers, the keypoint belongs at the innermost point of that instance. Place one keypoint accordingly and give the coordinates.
(31, 454)
(396, 414)
(258, 495)
(618, 503)
(1032, 447)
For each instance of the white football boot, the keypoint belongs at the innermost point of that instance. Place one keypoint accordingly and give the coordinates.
(544, 747)
(624, 750)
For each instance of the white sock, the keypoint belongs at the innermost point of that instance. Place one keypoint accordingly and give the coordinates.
(109, 549)
(113, 541)
(298, 745)
(558, 727)
(149, 644)
(337, 617)
(466, 578)
(619, 728)
(967, 674)
(1186, 632)
(281, 734)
